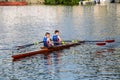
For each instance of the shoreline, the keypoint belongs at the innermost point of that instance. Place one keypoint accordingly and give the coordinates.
(43, 3)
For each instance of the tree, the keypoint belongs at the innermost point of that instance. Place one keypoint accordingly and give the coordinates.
(66, 2)
(6, 0)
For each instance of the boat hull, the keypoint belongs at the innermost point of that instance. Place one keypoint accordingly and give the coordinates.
(43, 51)
(13, 3)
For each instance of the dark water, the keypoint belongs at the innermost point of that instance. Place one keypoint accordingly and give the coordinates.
(27, 24)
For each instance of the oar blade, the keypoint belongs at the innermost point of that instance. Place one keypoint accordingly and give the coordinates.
(24, 46)
(100, 43)
(110, 41)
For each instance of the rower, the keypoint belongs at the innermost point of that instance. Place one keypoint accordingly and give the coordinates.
(56, 38)
(47, 41)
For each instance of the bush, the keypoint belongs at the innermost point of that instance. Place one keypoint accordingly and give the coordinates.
(64, 2)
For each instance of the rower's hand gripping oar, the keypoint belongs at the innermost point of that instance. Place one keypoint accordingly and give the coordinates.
(28, 45)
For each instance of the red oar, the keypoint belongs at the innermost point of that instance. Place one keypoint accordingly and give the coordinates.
(104, 42)
(100, 43)
(109, 41)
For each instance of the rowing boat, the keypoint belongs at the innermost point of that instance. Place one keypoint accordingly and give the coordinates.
(44, 50)
(55, 48)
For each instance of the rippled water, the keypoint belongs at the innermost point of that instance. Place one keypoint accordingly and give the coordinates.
(27, 24)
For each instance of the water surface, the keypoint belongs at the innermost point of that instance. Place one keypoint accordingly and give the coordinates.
(27, 24)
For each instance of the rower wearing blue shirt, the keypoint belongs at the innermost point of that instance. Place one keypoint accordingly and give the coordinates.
(47, 41)
(56, 38)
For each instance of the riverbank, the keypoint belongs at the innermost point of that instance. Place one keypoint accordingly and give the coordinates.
(54, 2)
(47, 2)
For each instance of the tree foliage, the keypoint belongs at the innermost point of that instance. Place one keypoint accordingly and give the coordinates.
(65, 2)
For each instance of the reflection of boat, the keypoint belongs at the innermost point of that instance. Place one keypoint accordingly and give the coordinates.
(106, 50)
(13, 3)
(54, 59)
(45, 50)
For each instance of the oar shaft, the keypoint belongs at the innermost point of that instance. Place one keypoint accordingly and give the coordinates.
(28, 45)
(8, 49)
(108, 41)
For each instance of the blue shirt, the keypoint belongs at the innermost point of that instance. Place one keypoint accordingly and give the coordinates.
(45, 42)
(55, 40)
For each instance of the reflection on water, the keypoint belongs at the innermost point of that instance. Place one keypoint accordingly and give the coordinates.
(27, 24)
(76, 63)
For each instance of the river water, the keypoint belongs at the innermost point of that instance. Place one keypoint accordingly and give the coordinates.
(27, 24)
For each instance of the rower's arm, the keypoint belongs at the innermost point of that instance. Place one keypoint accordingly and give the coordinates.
(59, 39)
(50, 42)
